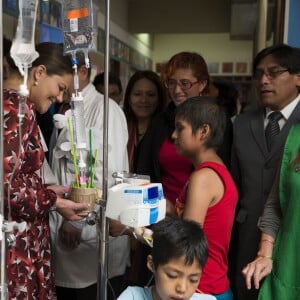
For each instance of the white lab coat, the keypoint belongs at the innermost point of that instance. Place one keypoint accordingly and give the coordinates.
(78, 268)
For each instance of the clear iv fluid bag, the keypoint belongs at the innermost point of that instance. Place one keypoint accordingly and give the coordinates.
(77, 108)
(77, 25)
(23, 48)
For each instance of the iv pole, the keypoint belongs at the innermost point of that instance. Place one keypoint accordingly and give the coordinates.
(3, 294)
(102, 222)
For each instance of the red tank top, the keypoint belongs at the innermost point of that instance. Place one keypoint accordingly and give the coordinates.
(217, 228)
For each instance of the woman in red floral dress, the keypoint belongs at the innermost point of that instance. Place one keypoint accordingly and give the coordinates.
(27, 200)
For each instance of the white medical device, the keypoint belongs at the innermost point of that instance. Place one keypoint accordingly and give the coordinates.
(136, 205)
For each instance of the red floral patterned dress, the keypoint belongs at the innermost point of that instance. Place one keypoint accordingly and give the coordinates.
(29, 274)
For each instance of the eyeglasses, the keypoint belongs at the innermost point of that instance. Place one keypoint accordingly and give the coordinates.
(184, 84)
(271, 73)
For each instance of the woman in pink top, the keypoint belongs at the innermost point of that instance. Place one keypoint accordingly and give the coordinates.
(185, 75)
(210, 195)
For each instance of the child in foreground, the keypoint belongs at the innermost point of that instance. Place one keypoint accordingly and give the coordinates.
(178, 256)
(210, 195)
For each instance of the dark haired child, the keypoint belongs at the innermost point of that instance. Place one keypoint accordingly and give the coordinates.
(210, 195)
(178, 256)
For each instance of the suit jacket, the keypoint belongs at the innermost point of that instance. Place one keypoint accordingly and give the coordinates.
(254, 170)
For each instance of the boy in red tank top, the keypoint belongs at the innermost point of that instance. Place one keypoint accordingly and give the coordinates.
(210, 195)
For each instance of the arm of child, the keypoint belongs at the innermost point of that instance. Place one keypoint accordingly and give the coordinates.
(204, 190)
(170, 209)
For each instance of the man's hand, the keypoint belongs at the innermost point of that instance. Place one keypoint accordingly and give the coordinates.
(69, 235)
(70, 209)
(257, 270)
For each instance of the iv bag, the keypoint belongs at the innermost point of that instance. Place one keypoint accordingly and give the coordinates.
(77, 25)
(23, 48)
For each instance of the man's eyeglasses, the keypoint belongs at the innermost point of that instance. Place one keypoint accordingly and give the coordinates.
(184, 84)
(271, 73)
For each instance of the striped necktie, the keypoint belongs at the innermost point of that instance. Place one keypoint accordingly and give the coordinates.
(272, 128)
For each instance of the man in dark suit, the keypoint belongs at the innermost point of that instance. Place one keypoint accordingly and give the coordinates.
(276, 71)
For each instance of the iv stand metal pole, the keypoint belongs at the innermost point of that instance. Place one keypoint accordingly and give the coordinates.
(3, 288)
(103, 224)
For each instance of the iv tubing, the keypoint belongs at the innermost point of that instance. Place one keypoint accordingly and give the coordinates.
(75, 67)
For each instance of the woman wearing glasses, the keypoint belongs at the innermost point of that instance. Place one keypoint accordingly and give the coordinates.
(185, 76)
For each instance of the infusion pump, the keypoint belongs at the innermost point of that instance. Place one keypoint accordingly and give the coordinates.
(136, 205)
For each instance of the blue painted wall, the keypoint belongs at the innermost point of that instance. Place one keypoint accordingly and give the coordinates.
(293, 37)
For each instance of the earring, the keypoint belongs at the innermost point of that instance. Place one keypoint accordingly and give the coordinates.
(36, 83)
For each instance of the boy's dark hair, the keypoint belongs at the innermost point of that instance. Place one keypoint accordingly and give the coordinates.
(201, 110)
(112, 79)
(174, 238)
(286, 56)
